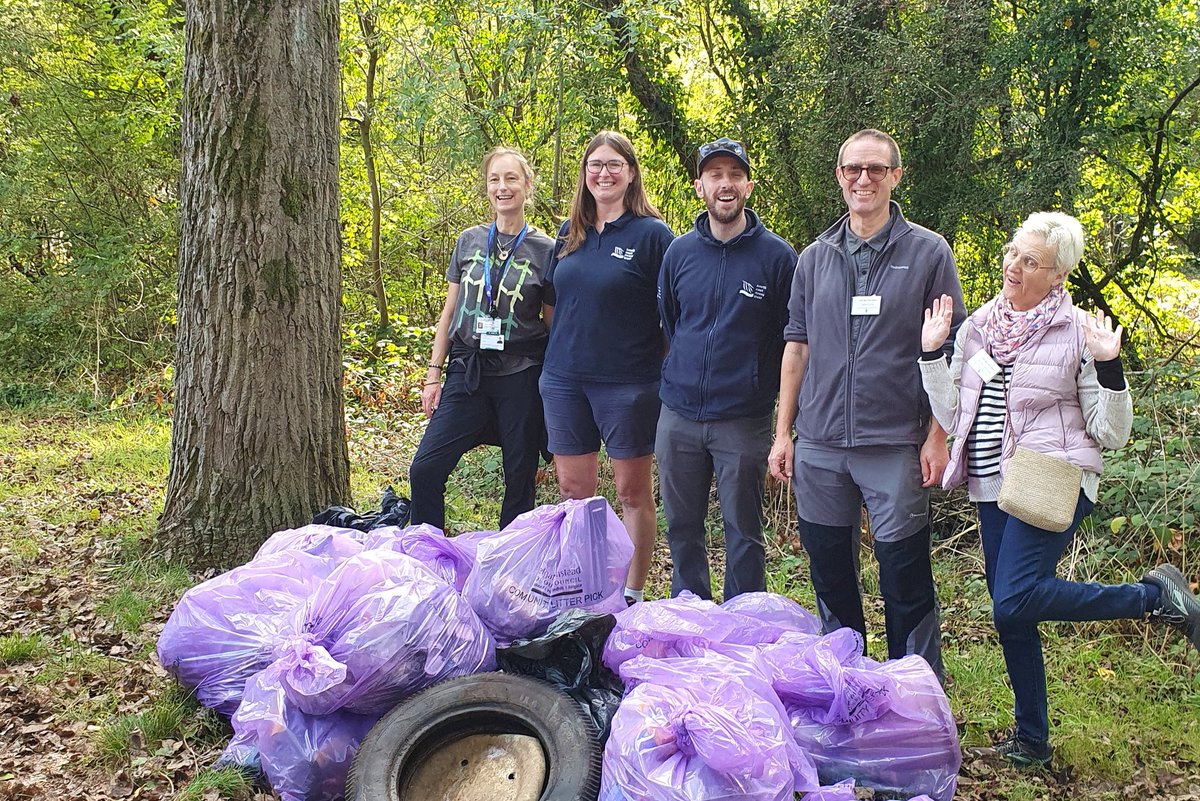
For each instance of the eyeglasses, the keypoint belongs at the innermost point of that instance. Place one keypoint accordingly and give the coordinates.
(1028, 262)
(614, 167)
(875, 172)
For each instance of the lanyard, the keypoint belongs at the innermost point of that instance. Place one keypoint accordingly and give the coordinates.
(487, 265)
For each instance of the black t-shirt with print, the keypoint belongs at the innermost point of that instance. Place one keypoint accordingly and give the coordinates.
(519, 289)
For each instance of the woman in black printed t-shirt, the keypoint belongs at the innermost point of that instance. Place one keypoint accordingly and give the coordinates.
(489, 346)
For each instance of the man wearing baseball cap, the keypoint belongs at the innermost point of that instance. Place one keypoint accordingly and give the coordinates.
(722, 294)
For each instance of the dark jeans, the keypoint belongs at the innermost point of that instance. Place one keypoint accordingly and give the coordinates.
(1020, 561)
(689, 453)
(510, 406)
(905, 582)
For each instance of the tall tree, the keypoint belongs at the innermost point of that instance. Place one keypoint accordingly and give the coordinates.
(259, 438)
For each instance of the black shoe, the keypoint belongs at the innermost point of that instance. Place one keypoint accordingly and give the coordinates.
(1016, 752)
(1179, 606)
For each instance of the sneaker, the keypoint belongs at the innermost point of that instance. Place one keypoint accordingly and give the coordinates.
(1016, 752)
(1179, 606)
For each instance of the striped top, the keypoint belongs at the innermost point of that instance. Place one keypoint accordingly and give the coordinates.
(986, 439)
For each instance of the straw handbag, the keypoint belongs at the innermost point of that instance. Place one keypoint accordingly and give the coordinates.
(1040, 490)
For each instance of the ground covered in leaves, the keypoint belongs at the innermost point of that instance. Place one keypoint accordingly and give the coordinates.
(86, 712)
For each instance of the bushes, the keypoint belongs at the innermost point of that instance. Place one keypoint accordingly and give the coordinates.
(1151, 487)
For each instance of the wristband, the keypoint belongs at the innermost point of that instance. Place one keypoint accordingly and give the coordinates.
(438, 366)
(431, 383)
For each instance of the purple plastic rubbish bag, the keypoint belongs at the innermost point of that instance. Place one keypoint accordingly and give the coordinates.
(220, 633)
(844, 791)
(684, 626)
(573, 555)
(887, 725)
(305, 757)
(691, 626)
(702, 735)
(318, 540)
(381, 627)
(773, 616)
(742, 667)
(445, 556)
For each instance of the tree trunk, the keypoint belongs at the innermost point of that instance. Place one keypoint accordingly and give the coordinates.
(258, 442)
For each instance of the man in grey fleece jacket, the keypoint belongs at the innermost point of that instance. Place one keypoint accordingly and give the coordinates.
(850, 383)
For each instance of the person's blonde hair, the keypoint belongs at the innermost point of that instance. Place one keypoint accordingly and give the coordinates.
(504, 150)
(1060, 231)
(583, 205)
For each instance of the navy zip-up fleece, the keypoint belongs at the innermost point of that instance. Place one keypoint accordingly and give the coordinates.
(862, 385)
(724, 307)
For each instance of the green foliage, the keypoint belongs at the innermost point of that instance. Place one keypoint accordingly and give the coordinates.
(1152, 486)
(167, 718)
(87, 188)
(18, 648)
(1000, 109)
(381, 367)
(227, 783)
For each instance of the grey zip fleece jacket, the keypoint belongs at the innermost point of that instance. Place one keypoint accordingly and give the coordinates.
(862, 385)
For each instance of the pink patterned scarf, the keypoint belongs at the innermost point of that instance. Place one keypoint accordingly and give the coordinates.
(1007, 330)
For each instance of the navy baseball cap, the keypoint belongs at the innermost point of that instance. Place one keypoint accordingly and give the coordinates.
(722, 147)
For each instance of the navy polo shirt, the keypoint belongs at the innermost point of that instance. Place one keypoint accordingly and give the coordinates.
(604, 295)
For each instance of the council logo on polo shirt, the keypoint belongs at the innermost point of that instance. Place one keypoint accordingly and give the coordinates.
(623, 253)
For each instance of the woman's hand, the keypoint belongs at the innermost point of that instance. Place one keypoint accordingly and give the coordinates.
(431, 395)
(1100, 338)
(937, 323)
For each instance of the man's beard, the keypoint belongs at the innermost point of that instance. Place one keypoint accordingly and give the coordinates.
(725, 218)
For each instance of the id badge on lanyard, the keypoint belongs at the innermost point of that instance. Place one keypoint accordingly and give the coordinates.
(490, 334)
(488, 327)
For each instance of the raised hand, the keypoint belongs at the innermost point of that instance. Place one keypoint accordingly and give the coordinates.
(937, 323)
(1100, 338)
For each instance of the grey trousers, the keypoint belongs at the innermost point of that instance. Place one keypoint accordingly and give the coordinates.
(689, 454)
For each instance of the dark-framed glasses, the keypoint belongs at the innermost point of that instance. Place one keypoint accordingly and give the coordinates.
(614, 166)
(875, 172)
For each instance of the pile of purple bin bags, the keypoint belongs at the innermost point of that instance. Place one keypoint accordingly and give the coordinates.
(326, 629)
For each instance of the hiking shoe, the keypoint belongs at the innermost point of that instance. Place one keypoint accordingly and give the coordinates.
(1179, 606)
(1016, 752)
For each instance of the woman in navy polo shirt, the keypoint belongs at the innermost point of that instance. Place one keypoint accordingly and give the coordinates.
(489, 343)
(600, 379)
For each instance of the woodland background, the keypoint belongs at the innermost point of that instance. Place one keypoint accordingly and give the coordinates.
(1001, 108)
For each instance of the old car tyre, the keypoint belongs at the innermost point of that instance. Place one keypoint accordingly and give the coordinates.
(443, 723)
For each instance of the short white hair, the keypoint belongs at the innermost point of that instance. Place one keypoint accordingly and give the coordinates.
(1061, 232)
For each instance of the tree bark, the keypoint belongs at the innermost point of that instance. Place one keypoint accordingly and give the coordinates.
(654, 89)
(258, 442)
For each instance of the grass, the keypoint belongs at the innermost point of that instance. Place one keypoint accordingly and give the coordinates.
(79, 498)
(226, 783)
(167, 718)
(72, 664)
(16, 649)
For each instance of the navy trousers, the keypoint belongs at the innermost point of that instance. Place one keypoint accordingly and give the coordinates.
(1020, 561)
(905, 582)
(508, 405)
